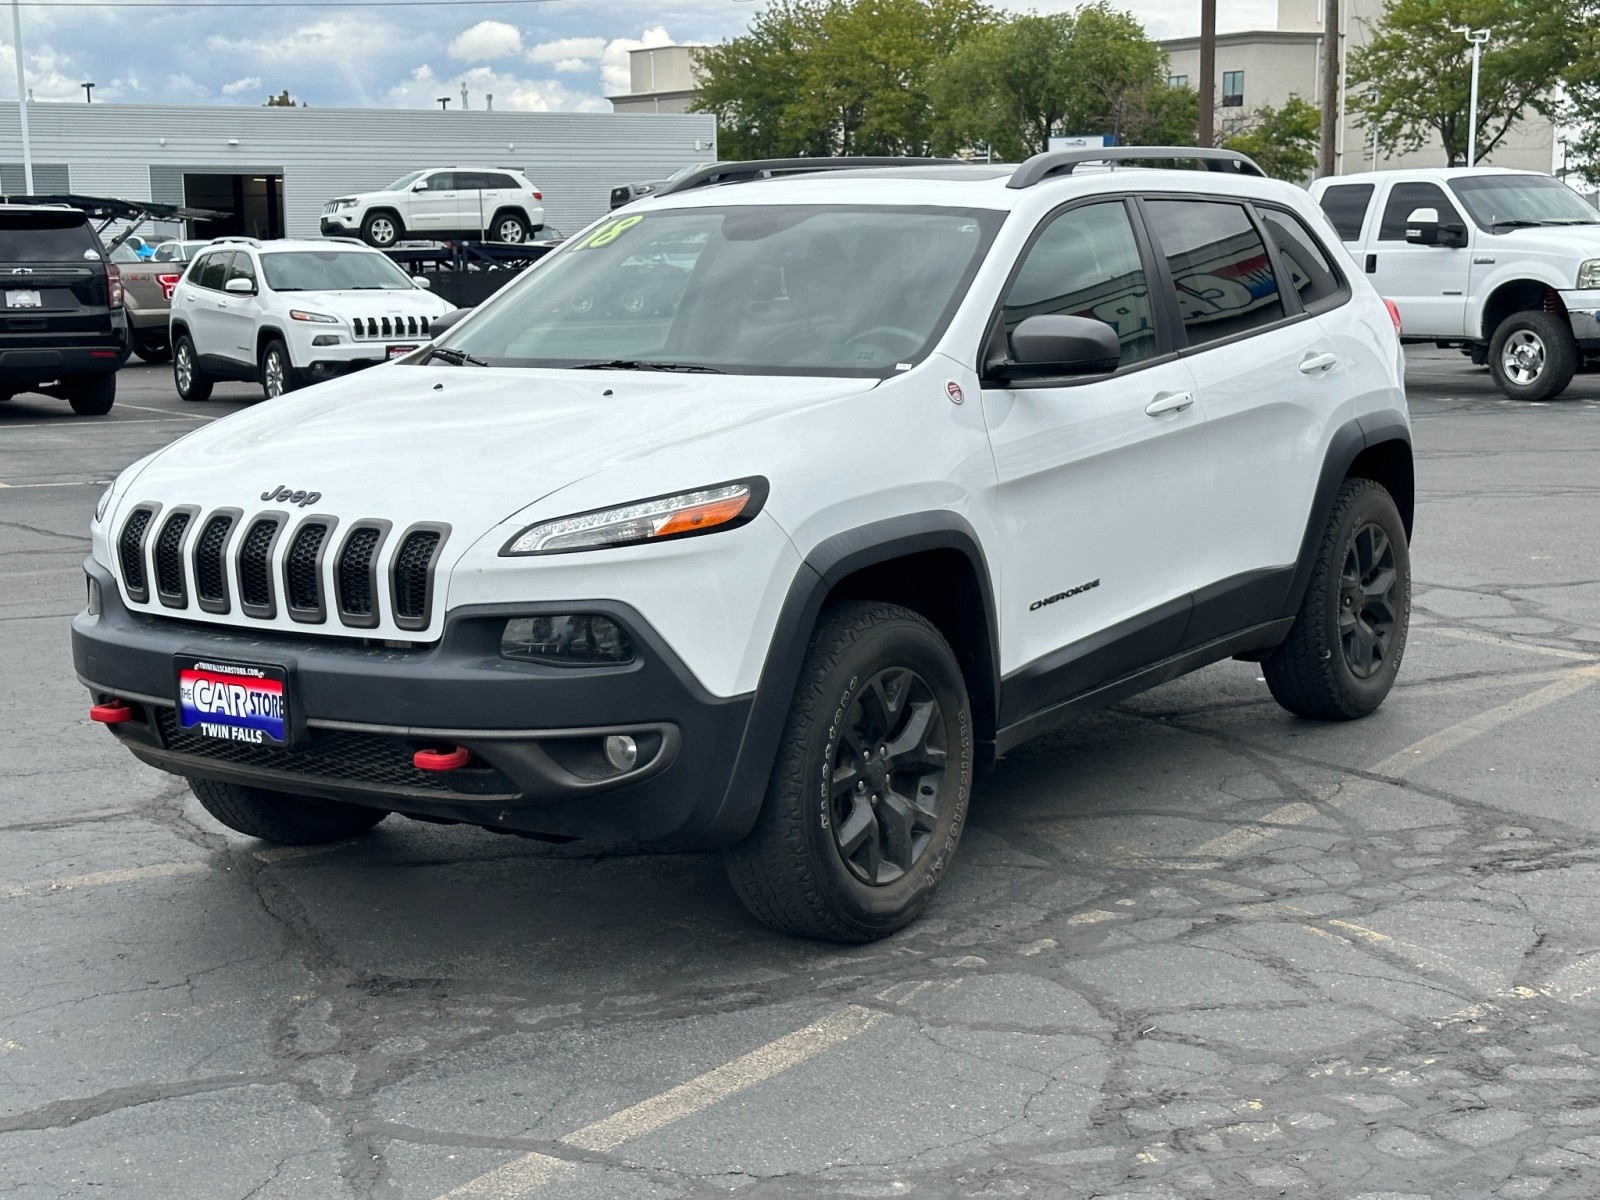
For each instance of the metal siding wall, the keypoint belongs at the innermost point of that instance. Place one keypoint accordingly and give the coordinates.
(132, 151)
(49, 179)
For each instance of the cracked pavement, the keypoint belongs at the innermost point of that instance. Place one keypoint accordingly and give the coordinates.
(1192, 948)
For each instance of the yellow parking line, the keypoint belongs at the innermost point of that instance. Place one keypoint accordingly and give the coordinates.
(516, 1178)
(68, 883)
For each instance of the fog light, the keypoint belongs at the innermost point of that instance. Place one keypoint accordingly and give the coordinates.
(93, 602)
(325, 339)
(622, 752)
(571, 640)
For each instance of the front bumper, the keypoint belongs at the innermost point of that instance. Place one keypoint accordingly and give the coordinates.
(342, 224)
(1583, 310)
(359, 710)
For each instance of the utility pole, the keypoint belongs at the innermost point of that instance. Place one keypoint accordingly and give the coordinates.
(1208, 72)
(22, 96)
(1477, 37)
(1328, 134)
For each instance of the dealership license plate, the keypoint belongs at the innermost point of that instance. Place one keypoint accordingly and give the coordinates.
(400, 351)
(23, 298)
(233, 701)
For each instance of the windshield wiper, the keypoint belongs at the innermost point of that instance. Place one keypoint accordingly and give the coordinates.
(456, 358)
(631, 364)
(1518, 223)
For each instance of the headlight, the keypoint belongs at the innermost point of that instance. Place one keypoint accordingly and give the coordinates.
(103, 503)
(297, 314)
(345, 203)
(685, 514)
(571, 640)
(1589, 273)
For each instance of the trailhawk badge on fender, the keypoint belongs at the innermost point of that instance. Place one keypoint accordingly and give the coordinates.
(953, 390)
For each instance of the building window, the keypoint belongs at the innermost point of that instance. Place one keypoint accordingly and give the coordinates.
(1178, 80)
(1233, 89)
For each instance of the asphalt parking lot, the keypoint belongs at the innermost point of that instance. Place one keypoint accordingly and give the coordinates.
(1192, 947)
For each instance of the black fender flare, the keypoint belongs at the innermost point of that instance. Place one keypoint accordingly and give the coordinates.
(830, 562)
(1349, 442)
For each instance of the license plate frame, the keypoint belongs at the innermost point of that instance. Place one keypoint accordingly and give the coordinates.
(229, 701)
(24, 298)
(399, 350)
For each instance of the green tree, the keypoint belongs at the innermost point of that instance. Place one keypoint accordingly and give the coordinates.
(1412, 81)
(1282, 141)
(1582, 86)
(833, 76)
(1013, 84)
(281, 100)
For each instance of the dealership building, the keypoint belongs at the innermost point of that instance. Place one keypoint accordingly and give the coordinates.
(272, 169)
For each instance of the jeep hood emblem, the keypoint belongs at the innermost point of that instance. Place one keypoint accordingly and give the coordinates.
(284, 495)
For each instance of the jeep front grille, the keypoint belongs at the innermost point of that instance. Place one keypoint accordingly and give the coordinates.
(169, 560)
(369, 328)
(130, 549)
(206, 561)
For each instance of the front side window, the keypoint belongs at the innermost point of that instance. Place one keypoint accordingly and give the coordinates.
(242, 267)
(1309, 266)
(1346, 206)
(332, 271)
(1404, 199)
(1501, 202)
(405, 181)
(1219, 265)
(442, 181)
(1086, 264)
(1233, 89)
(762, 289)
(210, 271)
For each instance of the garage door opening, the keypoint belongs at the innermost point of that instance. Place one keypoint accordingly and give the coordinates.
(254, 204)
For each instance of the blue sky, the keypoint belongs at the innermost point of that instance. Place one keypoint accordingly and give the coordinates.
(556, 55)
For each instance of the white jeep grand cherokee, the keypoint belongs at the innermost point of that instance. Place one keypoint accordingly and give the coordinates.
(496, 204)
(290, 312)
(914, 464)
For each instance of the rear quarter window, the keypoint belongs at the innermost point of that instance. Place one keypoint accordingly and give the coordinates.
(1310, 268)
(1346, 206)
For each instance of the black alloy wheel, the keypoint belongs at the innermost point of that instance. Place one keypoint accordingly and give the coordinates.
(1369, 610)
(888, 777)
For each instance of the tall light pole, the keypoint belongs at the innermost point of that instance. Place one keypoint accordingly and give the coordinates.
(22, 96)
(1328, 126)
(1208, 72)
(1477, 37)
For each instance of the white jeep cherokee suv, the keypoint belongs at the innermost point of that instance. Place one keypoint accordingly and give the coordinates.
(289, 313)
(919, 462)
(494, 204)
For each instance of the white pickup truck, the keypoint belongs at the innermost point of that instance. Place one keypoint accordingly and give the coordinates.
(1503, 264)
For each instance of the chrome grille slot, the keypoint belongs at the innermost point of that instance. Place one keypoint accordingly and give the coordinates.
(255, 567)
(302, 571)
(130, 549)
(411, 575)
(169, 560)
(210, 574)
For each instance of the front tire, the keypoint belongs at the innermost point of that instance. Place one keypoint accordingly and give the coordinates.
(1533, 356)
(869, 793)
(382, 229)
(192, 383)
(277, 372)
(280, 817)
(91, 395)
(1340, 659)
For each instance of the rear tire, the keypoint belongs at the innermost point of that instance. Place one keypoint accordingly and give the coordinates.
(510, 227)
(280, 817)
(192, 383)
(91, 395)
(154, 352)
(1340, 659)
(277, 372)
(869, 791)
(1533, 356)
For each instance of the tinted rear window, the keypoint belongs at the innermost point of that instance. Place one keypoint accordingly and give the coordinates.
(1346, 206)
(29, 239)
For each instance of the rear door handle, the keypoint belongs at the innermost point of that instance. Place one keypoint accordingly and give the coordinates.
(1314, 363)
(1169, 402)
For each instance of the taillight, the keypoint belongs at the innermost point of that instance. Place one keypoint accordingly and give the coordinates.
(537, 194)
(114, 284)
(168, 283)
(1394, 313)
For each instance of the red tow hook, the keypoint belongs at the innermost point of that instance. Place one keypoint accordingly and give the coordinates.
(441, 760)
(114, 712)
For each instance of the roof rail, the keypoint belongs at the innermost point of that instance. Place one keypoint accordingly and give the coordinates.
(1061, 162)
(765, 168)
(234, 237)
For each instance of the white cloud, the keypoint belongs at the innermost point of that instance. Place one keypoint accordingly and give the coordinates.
(249, 83)
(561, 50)
(572, 64)
(486, 40)
(614, 74)
(181, 87)
(510, 91)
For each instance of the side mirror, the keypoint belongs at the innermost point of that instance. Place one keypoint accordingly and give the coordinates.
(1051, 344)
(421, 281)
(420, 185)
(445, 321)
(1423, 228)
(240, 287)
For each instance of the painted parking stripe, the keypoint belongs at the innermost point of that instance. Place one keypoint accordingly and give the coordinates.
(69, 883)
(530, 1171)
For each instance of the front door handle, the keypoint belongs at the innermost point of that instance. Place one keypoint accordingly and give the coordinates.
(1314, 363)
(1169, 402)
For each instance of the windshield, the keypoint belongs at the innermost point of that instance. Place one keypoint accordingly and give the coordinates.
(332, 271)
(405, 181)
(1522, 200)
(796, 290)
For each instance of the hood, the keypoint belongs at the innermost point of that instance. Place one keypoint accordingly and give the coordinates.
(468, 446)
(371, 302)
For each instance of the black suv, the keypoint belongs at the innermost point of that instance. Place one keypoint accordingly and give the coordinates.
(63, 330)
